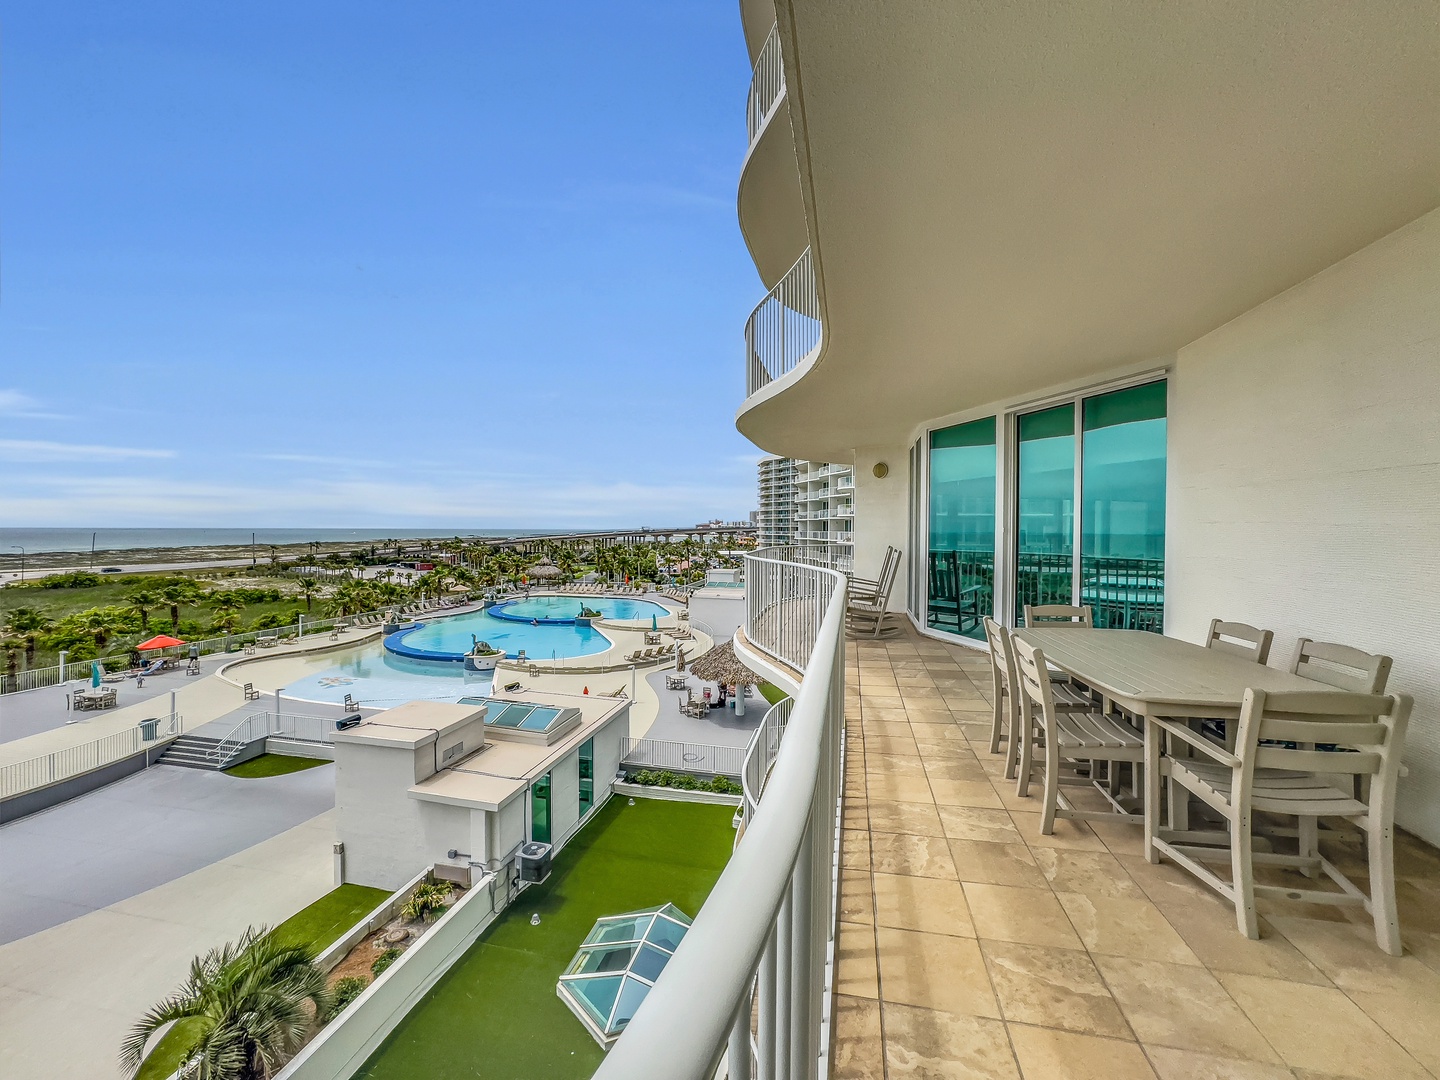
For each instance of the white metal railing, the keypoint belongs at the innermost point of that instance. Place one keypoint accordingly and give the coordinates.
(760, 754)
(262, 725)
(784, 328)
(683, 756)
(767, 86)
(750, 984)
(37, 772)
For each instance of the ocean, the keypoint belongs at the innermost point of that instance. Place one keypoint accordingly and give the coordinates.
(35, 541)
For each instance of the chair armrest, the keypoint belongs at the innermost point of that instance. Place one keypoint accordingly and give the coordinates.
(1197, 742)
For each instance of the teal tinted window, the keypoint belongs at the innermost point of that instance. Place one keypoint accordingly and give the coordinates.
(1122, 554)
(540, 810)
(1044, 508)
(961, 586)
(587, 775)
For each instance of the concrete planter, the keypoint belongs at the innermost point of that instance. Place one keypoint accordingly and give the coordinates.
(670, 794)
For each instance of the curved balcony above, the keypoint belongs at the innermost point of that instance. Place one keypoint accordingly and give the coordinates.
(769, 204)
(783, 330)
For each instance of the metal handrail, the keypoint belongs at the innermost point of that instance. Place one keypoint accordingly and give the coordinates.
(767, 86)
(760, 754)
(766, 932)
(784, 328)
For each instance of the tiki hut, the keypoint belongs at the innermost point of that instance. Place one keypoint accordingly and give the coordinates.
(544, 570)
(721, 665)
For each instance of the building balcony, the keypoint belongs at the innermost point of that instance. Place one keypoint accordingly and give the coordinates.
(769, 203)
(784, 329)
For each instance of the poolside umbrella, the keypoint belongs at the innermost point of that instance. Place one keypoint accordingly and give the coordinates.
(654, 626)
(721, 665)
(680, 659)
(95, 673)
(159, 641)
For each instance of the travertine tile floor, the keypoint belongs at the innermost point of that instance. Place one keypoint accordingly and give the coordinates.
(972, 946)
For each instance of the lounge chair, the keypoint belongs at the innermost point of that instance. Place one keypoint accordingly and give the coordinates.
(634, 656)
(512, 687)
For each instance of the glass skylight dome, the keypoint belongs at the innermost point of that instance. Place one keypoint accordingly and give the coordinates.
(617, 964)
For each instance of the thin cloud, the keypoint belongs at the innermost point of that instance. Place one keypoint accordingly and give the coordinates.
(319, 459)
(21, 406)
(35, 451)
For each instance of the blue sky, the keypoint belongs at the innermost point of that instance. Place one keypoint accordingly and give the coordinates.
(444, 264)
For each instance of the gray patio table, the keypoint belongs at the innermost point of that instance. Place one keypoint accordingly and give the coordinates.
(1152, 675)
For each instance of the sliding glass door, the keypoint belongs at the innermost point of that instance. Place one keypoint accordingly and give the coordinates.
(1084, 502)
(1044, 508)
(1122, 550)
(962, 527)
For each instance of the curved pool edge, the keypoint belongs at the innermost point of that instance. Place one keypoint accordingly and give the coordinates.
(395, 643)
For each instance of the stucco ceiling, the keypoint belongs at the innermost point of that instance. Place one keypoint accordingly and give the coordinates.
(1002, 196)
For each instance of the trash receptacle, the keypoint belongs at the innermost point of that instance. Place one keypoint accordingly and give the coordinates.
(149, 729)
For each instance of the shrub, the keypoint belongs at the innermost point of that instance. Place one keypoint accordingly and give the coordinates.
(426, 898)
(383, 961)
(347, 990)
(722, 785)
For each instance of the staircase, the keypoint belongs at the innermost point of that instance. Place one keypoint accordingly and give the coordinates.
(190, 752)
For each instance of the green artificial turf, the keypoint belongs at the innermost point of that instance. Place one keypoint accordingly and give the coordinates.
(495, 1014)
(273, 765)
(772, 693)
(319, 926)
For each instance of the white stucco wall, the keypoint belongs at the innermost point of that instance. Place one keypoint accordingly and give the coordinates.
(1304, 477)
(565, 795)
(882, 508)
(379, 824)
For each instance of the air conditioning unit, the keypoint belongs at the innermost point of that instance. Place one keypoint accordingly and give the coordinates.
(535, 861)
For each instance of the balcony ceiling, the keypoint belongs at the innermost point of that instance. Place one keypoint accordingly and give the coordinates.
(1002, 197)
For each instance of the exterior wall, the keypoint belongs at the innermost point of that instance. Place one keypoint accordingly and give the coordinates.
(607, 753)
(882, 507)
(1304, 477)
(775, 518)
(510, 825)
(564, 796)
(376, 820)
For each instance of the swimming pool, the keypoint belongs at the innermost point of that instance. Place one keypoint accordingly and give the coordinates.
(450, 639)
(567, 608)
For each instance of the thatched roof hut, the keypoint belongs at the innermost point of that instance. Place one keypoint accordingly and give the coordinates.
(721, 665)
(544, 569)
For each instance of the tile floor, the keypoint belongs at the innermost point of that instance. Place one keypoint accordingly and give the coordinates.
(971, 946)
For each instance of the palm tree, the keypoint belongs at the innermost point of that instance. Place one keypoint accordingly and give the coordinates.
(253, 1001)
(27, 623)
(176, 593)
(308, 587)
(141, 602)
(227, 610)
(100, 623)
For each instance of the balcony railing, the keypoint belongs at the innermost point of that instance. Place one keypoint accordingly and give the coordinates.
(767, 86)
(784, 328)
(750, 984)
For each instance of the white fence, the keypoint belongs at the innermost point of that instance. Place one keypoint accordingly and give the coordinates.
(46, 769)
(784, 328)
(683, 756)
(767, 85)
(760, 754)
(263, 725)
(749, 985)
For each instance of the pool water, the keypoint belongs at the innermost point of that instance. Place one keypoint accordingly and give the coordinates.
(377, 680)
(458, 634)
(568, 607)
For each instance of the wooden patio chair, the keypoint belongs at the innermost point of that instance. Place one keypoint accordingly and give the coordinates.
(870, 610)
(1240, 639)
(865, 587)
(1049, 615)
(1070, 735)
(1269, 772)
(1003, 722)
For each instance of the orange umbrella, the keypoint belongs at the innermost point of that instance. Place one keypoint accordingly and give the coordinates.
(159, 641)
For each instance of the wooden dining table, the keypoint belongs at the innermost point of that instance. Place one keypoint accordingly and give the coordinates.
(1151, 675)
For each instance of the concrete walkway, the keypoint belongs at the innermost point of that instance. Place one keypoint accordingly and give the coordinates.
(69, 994)
(140, 832)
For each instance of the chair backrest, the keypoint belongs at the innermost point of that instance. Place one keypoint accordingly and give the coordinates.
(1059, 614)
(249, 687)
(1240, 639)
(1002, 659)
(1032, 680)
(1342, 666)
(1373, 725)
(886, 581)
